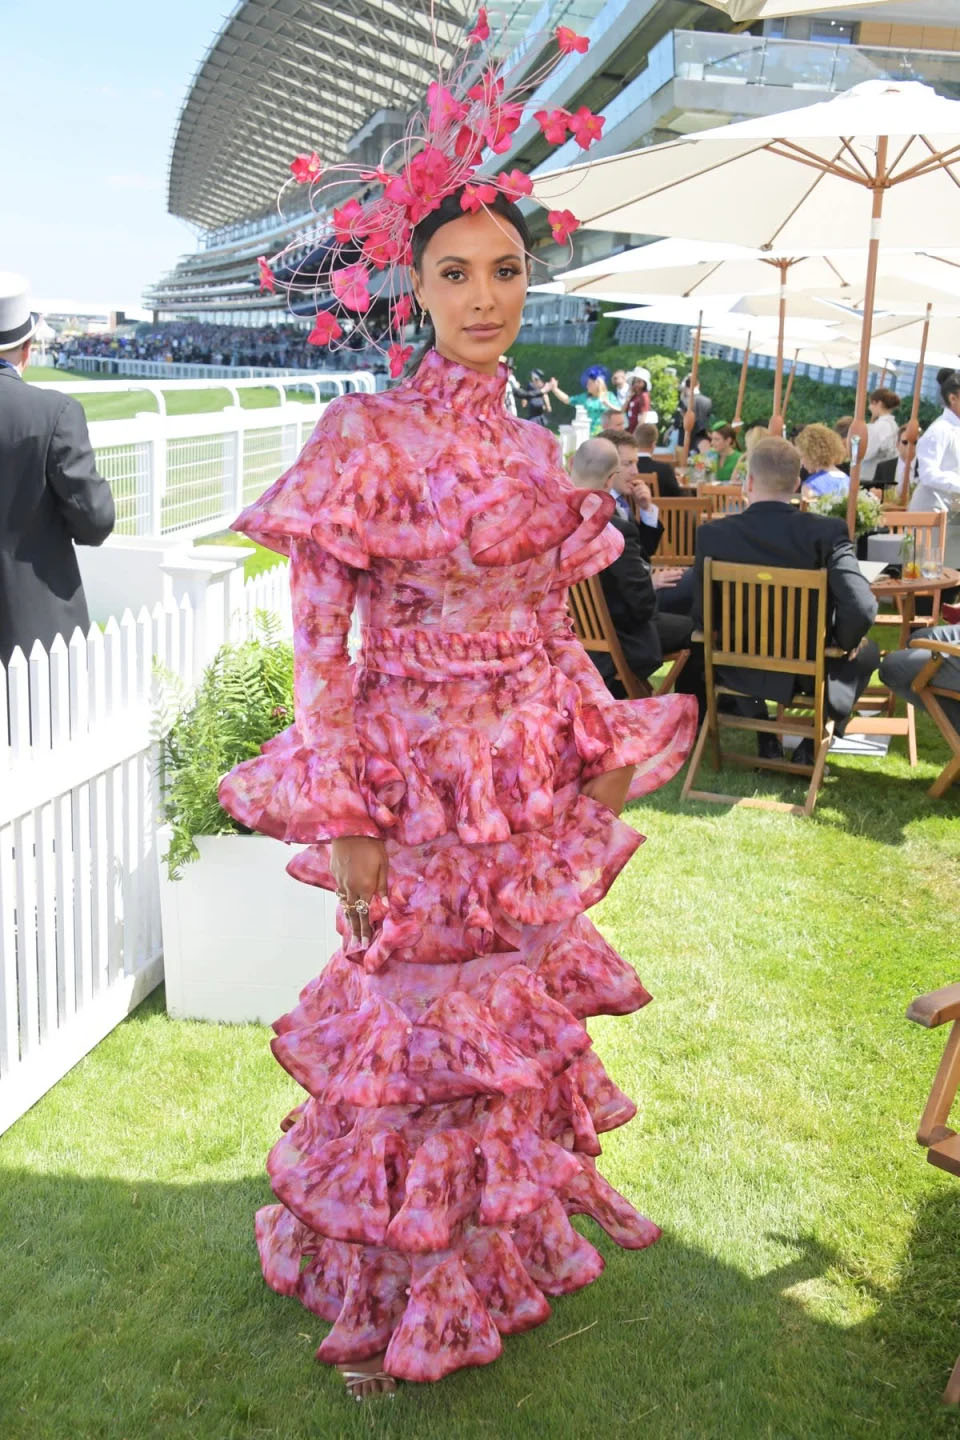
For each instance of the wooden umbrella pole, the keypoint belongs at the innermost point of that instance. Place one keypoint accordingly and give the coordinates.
(913, 424)
(776, 423)
(737, 420)
(690, 419)
(858, 430)
(793, 371)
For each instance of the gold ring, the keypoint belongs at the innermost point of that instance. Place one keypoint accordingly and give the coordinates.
(361, 907)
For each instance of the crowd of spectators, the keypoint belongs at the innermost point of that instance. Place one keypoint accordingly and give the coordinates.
(196, 342)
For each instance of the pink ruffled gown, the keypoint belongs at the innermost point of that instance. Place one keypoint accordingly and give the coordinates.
(454, 1102)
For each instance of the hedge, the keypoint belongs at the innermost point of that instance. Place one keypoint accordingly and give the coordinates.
(810, 401)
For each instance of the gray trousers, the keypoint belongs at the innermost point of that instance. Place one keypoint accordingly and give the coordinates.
(900, 667)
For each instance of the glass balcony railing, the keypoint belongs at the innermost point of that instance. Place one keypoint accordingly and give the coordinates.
(805, 64)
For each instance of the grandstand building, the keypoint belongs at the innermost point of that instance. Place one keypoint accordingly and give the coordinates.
(286, 76)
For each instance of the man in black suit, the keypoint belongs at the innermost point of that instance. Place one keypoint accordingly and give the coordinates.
(632, 495)
(648, 463)
(630, 586)
(51, 496)
(771, 532)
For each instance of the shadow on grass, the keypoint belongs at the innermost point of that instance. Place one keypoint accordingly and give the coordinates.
(134, 1310)
(879, 799)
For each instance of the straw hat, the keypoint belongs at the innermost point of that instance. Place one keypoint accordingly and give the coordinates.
(17, 320)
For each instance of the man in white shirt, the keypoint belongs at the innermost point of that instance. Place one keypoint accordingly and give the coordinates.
(938, 453)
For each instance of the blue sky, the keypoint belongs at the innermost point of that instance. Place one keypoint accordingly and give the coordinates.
(91, 94)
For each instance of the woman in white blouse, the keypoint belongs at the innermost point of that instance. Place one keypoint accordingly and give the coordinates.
(881, 433)
(938, 452)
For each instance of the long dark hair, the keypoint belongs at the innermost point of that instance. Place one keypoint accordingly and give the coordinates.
(949, 382)
(423, 233)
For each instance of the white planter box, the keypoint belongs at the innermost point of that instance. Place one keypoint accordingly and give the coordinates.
(240, 937)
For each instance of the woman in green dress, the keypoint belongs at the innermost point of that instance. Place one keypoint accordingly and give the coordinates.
(596, 399)
(724, 445)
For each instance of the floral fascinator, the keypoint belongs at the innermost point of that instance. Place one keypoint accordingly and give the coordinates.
(472, 112)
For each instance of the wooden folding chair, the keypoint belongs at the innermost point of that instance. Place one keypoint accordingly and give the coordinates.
(916, 522)
(756, 617)
(594, 629)
(651, 478)
(680, 518)
(940, 1007)
(929, 693)
(726, 499)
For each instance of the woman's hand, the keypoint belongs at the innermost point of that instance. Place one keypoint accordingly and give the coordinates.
(610, 788)
(358, 864)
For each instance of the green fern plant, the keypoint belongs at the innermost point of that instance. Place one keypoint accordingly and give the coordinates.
(244, 698)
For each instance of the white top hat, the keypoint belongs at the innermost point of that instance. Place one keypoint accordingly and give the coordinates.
(17, 321)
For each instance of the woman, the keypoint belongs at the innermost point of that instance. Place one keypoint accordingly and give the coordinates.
(459, 788)
(638, 402)
(881, 433)
(821, 451)
(595, 399)
(728, 457)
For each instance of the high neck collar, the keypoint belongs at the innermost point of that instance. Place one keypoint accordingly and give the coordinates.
(459, 388)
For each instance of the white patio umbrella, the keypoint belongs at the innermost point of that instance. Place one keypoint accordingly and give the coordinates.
(881, 158)
(679, 268)
(661, 269)
(744, 12)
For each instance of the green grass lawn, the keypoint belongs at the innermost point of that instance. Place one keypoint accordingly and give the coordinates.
(806, 1284)
(119, 403)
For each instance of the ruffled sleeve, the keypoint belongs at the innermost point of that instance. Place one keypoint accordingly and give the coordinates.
(311, 499)
(306, 783)
(655, 735)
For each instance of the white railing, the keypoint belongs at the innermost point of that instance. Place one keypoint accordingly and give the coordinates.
(342, 380)
(80, 936)
(319, 388)
(190, 475)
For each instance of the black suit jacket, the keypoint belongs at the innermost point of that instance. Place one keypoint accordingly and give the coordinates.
(771, 532)
(632, 601)
(50, 498)
(665, 473)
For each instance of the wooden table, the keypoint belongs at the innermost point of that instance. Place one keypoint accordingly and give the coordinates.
(886, 723)
(907, 592)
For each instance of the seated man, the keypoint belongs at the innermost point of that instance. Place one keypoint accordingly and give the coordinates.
(630, 586)
(646, 438)
(900, 668)
(771, 532)
(633, 497)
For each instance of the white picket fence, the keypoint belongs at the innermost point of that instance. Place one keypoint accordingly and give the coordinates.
(80, 938)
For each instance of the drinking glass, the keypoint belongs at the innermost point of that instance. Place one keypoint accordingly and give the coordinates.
(928, 554)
